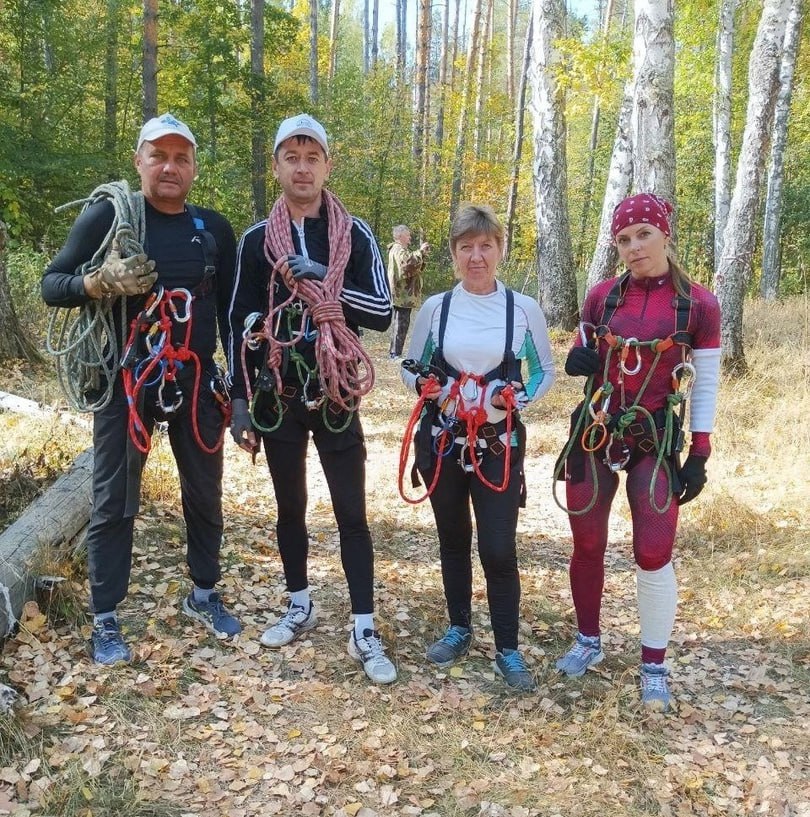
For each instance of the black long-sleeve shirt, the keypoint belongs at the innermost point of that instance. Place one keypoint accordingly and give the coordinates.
(174, 244)
(365, 297)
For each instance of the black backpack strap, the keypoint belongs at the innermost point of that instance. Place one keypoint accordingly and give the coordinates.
(210, 252)
(438, 353)
(509, 368)
(683, 312)
(614, 299)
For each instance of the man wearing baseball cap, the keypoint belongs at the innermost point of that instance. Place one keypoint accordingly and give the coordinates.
(325, 278)
(173, 300)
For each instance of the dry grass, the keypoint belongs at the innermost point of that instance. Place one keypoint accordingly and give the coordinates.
(201, 727)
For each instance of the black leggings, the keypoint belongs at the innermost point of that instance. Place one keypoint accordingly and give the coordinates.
(345, 472)
(496, 517)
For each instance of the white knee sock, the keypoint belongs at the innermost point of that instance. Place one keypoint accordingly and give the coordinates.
(657, 593)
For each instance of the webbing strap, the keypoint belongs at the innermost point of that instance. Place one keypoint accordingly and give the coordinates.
(505, 369)
(209, 248)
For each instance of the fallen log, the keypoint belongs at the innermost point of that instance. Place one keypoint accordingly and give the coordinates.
(50, 521)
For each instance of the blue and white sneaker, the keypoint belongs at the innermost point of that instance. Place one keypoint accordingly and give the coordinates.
(369, 651)
(586, 652)
(294, 622)
(454, 644)
(107, 645)
(655, 693)
(213, 614)
(511, 666)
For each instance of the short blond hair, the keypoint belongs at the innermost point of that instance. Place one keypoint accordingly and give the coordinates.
(476, 219)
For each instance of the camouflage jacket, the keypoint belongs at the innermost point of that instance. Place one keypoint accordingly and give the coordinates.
(405, 274)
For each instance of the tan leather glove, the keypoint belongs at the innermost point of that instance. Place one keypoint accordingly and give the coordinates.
(121, 276)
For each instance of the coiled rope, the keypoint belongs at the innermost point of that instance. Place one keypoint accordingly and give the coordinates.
(345, 369)
(84, 340)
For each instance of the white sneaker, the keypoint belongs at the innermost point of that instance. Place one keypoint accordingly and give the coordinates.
(294, 622)
(369, 651)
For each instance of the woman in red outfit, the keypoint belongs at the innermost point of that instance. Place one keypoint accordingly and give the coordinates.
(649, 343)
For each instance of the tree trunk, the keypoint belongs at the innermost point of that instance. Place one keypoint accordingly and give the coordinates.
(50, 521)
(150, 48)
(111, 84)
(461, 138)
(313, 51)
(480, 83)
(13, 341)
(653, 99)
(375, 32)
(421, 80)
(722, 124)
(511, 201)
(333, 39)
(771, 260)
(555, 265)
(620, 177)
(258, 141)
(511, 22)
(734, 269)
(401, 13)
(595, 116)
(438, 138)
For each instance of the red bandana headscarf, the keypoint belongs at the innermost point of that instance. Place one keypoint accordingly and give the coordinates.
(643, 207)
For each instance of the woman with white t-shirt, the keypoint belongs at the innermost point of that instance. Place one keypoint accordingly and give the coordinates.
(467, 357)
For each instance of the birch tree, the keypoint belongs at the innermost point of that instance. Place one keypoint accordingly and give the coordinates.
(722, 124)
(421, 79)
(555, 264)
(480, 83)
(333, 39)
(653, 119)
(734, 270)
(438, 138)
(620, 177)
(111, 80)
(375, 33)
(596, 113)
(511, 199)
(771, 261)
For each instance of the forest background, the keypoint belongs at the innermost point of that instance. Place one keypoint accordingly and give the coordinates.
(410, 139)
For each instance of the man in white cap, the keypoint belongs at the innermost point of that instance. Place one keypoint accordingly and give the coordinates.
(319, 264)
(169, 365)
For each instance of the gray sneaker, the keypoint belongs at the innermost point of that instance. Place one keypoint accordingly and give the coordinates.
(655, 693)
(294, 622)
(586, 652)
(369, 651)
(454, 644)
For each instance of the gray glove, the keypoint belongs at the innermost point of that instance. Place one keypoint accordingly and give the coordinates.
(121, 276)
(241, 424)
(301, 268)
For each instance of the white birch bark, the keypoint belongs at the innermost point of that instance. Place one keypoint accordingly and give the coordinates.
(771, 256)
(480, 83)
(333, 39)
(375, 33)
(555, 265)
(620, 177)
(722, 124)
(734, 270)
(653, 99)
(313, 51)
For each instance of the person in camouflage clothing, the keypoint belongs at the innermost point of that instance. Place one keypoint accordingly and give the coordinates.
(405, 274)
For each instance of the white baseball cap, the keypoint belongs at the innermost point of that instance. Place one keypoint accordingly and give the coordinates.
(163, 126)
(302, 125)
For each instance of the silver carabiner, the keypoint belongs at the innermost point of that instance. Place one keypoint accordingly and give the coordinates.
(631, 343)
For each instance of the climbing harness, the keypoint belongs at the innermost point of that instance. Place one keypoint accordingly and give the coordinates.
(461, 419)
(343, 372)
(153, 358)
(84, 340)
(660, 432)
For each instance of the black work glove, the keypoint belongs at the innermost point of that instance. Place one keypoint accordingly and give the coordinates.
(692, 475)
(582, 362)
(241, 424)
(301, 267)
